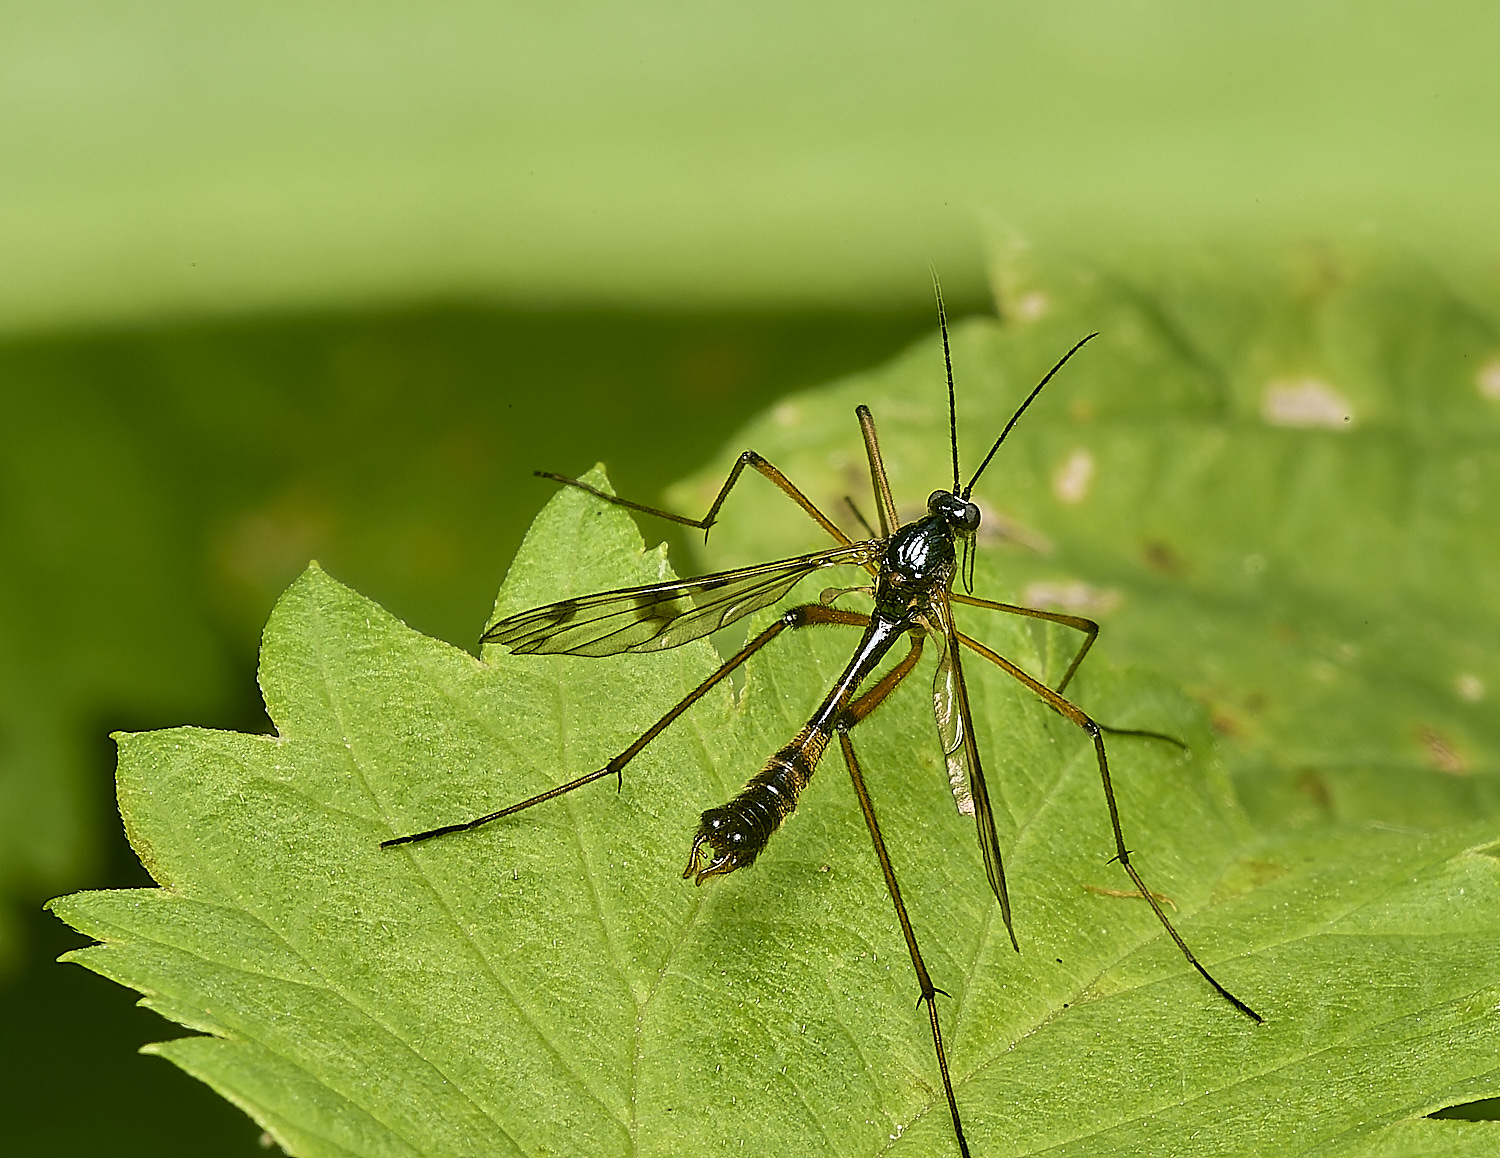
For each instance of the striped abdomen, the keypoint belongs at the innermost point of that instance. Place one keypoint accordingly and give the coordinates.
(735, 833)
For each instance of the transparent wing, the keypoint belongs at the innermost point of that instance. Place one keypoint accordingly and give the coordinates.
(950, 707)
(662, 615)
(953, 728)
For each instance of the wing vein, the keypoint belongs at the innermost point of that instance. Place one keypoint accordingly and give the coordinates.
(662, 615)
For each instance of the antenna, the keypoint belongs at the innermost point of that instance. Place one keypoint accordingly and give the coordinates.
(1014, 418)
(947, 361)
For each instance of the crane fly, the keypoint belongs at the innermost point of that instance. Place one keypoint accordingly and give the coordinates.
(913, 567)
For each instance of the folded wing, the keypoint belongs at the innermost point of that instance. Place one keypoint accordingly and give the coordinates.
(955, 722)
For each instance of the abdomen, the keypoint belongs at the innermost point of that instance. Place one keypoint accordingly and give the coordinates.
(735, 833)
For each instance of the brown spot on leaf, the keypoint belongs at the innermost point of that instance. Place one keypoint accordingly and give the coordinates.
(1224, 724)
(1441, 753)
(1246, 876)
(1132, 894)
(1262, 872)
(1161, 557)
(1311, 784)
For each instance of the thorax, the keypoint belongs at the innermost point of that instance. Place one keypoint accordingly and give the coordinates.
(918, 561)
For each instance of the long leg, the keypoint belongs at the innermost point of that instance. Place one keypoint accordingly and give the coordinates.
(1122, 854)
(859, 517)
(748, 458)
(856, 712)
(1091, 632)
(1089, 628)
(808, 615)
(929, 991)
(885, 506)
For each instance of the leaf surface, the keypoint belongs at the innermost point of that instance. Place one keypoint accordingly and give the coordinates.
(549, 985)
(1329, 589)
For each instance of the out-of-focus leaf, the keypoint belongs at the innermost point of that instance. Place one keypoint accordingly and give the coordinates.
(167, 157)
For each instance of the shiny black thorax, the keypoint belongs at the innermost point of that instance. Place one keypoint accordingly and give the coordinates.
(920, 557)
(918, 563)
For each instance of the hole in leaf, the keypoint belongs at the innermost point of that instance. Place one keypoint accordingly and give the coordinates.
(1484, 1110)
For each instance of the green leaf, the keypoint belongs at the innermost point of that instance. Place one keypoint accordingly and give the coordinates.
(202, 505)
(1330, 590)
(550, 986)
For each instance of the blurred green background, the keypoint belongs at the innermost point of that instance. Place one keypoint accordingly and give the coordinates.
(325, 279)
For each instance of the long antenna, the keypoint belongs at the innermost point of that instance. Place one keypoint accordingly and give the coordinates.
(1014, 418)
(948, 361)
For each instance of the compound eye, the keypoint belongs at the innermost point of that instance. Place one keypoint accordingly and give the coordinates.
(937, 501)
(969, 517)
